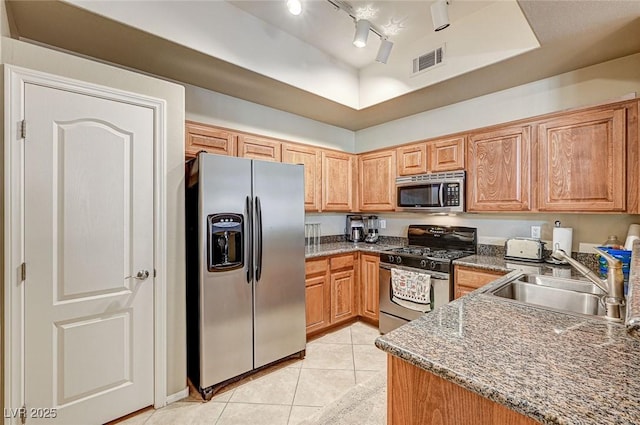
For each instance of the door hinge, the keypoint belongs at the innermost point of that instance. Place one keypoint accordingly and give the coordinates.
(23, 413)
(23, 129)
(23, 272)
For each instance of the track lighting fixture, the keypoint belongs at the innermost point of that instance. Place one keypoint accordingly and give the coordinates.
(440, 14)
(362, 33)
(294, 6)
(384, 50)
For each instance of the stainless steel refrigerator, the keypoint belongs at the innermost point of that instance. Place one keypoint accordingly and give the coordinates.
(245, 267)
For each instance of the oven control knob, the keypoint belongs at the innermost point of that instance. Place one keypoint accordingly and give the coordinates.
(391, 260)
(432, 265)
(398, 259)
(423, 263)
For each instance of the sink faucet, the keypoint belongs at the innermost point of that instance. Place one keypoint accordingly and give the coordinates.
(612, 286)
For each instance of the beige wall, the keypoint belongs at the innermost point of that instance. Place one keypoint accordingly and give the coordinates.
(41, 59)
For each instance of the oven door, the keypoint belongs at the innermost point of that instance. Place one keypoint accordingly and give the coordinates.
(393, 315)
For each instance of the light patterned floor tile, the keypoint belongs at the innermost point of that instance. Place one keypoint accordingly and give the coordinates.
(301, 413)
(318, 387)
(362, 333)
(254, 414)
(208, 413)
(368, 357)
(175, 413)
(365, 375)
(328, 356)
(277, 387)
(340, 336)
(138, 419)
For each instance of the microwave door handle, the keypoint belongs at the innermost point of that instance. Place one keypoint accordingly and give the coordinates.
(249, 240)
(441, 195)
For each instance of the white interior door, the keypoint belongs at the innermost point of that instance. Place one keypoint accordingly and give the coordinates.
(88, 223)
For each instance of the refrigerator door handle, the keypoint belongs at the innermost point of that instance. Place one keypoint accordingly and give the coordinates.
(258, 240)
(249, 240)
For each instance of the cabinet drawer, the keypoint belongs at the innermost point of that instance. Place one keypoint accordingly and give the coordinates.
(475, 278)
(315, 266)
(342, 261)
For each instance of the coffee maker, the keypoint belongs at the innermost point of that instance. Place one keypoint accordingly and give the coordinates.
(372, 229)
(355, 228)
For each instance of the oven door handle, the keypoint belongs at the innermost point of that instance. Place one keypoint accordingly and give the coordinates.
(434, 275)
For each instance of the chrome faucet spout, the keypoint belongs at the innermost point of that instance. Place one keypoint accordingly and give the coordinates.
(612, 286)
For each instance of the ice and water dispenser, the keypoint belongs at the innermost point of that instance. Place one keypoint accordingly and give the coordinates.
(225, 242)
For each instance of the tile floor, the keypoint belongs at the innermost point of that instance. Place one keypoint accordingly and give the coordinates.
(334, 363)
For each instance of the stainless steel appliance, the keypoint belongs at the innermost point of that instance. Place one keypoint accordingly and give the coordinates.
(436, 192)
(372, 229)
(245, 267)
(524, 249)
(431, 250)
(355, 230)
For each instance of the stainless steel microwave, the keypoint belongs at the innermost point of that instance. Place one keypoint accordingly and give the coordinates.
(435, 192)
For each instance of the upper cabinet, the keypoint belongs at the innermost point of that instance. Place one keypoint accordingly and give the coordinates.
(202, 137)
(310, 158)
(259, 148)
(337, 181)
(446, 155)
(582, 162)
(412, 159)
(499, 170)
(377, 172)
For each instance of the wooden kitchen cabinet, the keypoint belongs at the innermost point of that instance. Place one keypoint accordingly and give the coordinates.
(317, 294)
(370, 287)
(255, 147)
(310, 158)
(468, 279)
(582, 162)
(377, 173)
(202, 137)
(417, 397)
(411, 159)
(499, 170)
(446, 155)
(343, 287)
(337, 181)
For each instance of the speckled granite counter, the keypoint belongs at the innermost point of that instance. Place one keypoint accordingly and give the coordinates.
(500, 264)
(553, 367)
(334, 248)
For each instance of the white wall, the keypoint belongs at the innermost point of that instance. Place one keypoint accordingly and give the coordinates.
(45, 60)
(226, 111)
(585, 86)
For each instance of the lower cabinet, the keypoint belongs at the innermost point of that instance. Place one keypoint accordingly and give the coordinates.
(468, 279)
(340, 288)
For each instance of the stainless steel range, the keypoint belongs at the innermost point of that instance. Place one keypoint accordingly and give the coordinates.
(430, 252)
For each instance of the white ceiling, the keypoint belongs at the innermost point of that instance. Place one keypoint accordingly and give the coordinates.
(323, 26)
(257, 51)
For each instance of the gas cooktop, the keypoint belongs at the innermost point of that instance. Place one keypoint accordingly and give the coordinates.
(427, 252)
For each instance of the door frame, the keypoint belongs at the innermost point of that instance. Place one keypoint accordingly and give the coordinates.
(15, 79)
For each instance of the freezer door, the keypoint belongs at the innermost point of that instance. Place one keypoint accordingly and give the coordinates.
(226, 325)
(279, 296)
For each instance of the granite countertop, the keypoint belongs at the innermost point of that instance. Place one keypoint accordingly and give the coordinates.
(499, 264)
(334, 248)
(554, 367)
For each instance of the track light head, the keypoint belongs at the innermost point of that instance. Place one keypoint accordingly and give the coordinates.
(384, 50)
(440, 14)
(362, 32)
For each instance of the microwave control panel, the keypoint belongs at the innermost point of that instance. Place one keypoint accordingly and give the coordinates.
(452, 194)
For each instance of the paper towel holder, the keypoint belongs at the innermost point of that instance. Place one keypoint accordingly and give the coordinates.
(552, 260)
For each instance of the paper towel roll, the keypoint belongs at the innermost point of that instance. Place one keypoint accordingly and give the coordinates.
(563, 239)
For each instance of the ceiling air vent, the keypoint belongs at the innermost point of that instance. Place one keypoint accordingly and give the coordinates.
(428, 60)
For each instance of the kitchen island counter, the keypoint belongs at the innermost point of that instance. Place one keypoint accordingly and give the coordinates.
(552, 367)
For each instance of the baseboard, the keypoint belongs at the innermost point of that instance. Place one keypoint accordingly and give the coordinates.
(178, 396)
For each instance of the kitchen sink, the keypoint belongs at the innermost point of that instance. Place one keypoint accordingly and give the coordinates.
(561, 294)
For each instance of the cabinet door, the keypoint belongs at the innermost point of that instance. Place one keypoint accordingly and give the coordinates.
(201, 137)
(343, 301)
(310, 158)
(468, 279)
(499, 170)
(377, 181)
(259, 148)
(412, 159)
(317, 304)
(337, 181)
(582, 162)
(446, 155)
(369, 284)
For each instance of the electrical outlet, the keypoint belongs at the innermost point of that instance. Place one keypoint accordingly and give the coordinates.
(383, 224)
(535, 232)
